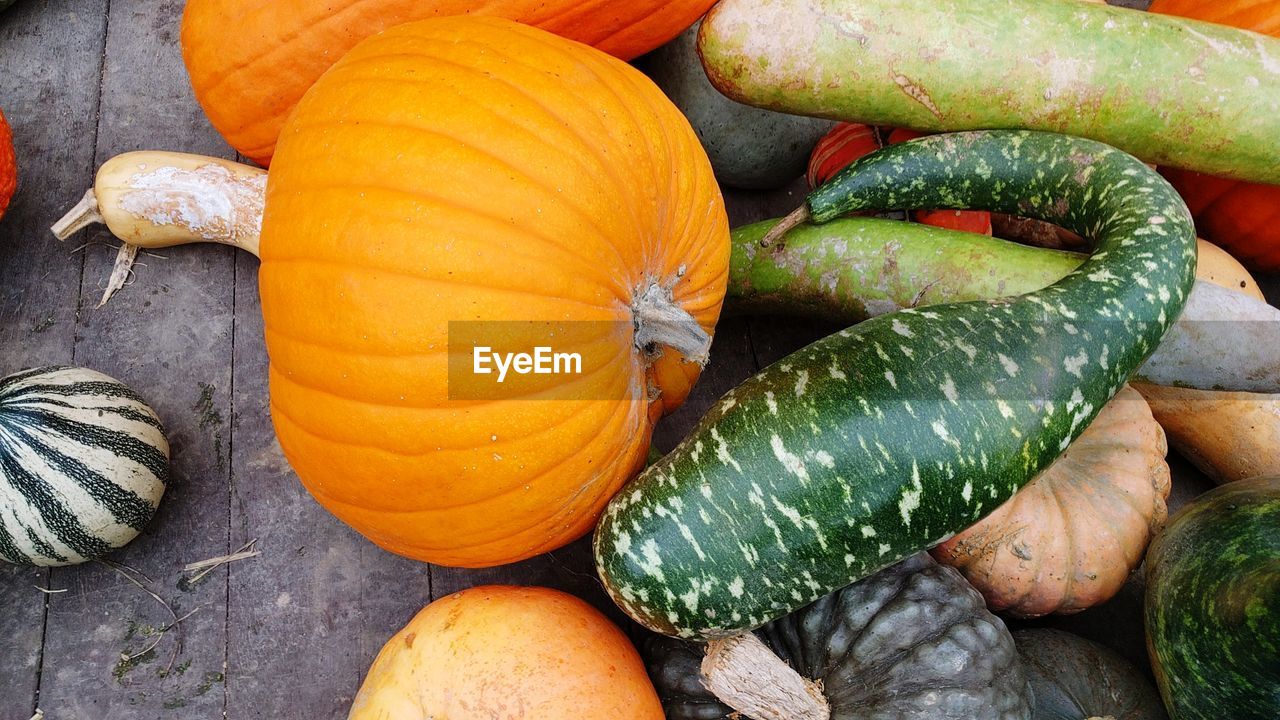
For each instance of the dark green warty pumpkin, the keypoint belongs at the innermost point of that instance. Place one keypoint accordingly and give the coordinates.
(1213, 605)
(912, 642)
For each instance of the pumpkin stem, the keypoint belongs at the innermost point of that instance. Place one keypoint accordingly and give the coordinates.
(84, 214)
(747, 676)
(659, 322)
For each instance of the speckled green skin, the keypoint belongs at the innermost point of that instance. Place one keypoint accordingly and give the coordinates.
(1170, 90)
(1213, 605)
(912, 642)
(886, 438)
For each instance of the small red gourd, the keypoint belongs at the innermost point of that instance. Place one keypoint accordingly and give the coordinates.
(1242, 217)
(8, 165)
(849, 141)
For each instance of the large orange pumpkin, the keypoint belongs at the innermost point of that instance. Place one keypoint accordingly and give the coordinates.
(250, 61)
(508, 653)
(1242, 217)
(475, 169)
(8, 166)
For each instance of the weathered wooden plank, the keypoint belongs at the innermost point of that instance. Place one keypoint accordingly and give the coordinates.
(169, 336)
(327, 598)
(46, 103)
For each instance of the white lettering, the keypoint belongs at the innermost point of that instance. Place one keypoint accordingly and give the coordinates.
(543, 361)
(478, 365)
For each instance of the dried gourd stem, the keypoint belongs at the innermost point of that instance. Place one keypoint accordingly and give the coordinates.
(120, 271)
(84, 214)
(660, 322)
(747, 676)
(204, 567)
(799, 216)
(177, 645)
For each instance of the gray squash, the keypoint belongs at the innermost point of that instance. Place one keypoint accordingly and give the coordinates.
(914, 641)
(749, 147)
(1076, 679)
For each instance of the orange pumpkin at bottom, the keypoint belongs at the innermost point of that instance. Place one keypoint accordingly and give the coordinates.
(8, 165)
(474, 169)
(504, 653)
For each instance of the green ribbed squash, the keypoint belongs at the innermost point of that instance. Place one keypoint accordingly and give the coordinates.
(1213, 605)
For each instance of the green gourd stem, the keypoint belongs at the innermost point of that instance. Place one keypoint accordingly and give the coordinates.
(889, 437)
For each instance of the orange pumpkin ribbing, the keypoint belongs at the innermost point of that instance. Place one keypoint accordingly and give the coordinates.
(1070, 538)
(250, 61)
(476, 169)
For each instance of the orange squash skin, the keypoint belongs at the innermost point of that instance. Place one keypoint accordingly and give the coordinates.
(1070, 538)
(251, 61)
(476, 169)
(8, 166)
(1242, 217)
(506, 653)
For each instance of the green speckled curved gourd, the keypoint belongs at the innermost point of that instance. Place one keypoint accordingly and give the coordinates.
(1213, 605)
(889, 437)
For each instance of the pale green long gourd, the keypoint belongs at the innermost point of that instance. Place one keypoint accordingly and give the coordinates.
(1170, 90)
(888, 437)
(854, 268)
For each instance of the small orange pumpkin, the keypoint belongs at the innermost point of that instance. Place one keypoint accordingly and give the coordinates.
(1070, 538)
(251, 61)
(8, 165)
(476, 169)
(506, 653)
(1242, 217)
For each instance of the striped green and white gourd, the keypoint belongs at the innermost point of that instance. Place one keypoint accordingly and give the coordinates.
(887, 438)
(83, 464)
